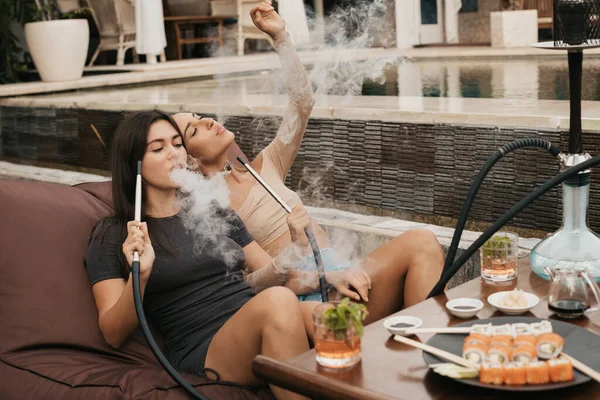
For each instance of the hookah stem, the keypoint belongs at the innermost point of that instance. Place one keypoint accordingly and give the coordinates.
(311, 238)
(517, 208)
(139, 306)
(575, 73)
(494, 158)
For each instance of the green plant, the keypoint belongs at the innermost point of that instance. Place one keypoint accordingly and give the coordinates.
(338, 318)
(11, 58)
(48, 10)
(497, 246)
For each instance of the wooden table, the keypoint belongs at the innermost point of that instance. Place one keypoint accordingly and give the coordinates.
(391, 370)
(183, 21)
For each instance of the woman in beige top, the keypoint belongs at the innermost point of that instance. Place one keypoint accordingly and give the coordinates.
(400, 272)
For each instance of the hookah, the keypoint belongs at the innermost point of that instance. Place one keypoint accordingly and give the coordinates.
(574, 245)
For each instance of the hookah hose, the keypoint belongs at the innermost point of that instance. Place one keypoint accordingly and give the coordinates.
(139, 307)
(307, 231)
(498, 154)
(517, 208)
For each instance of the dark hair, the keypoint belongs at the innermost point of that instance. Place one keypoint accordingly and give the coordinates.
(128, 147)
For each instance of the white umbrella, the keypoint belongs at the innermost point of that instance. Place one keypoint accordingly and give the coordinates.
(150, 38)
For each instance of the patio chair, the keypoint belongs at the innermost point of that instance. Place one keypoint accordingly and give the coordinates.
(245, 26)
(116, 23)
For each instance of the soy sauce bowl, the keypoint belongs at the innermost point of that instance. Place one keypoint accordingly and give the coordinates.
(400, 324)
(464, 307)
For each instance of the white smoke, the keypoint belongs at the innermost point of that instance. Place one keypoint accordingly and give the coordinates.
(203, 201)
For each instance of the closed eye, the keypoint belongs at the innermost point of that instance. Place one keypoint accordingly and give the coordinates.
(194, 132)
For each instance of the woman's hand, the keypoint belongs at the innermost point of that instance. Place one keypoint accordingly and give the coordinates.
(267, 20)
(139, 240)
(356, 277)
(298, 221)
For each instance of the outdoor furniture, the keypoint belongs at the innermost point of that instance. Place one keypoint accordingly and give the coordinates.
(245, 27)
(182, 22)
(50, 344)
(115, 20)
(391, 370)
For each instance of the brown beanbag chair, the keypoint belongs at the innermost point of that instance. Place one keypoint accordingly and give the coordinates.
(50, 344)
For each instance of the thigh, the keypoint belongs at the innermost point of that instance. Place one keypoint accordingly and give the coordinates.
(237, 343)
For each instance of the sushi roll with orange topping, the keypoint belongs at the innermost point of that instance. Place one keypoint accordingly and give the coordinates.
(525, 339)
(498, 354)
(514, 373)
(524, 353)
(478, 338)
(549, 345)
(538, 373)
(476, 353)
(492, 373)
(502, 340)
(561, 370)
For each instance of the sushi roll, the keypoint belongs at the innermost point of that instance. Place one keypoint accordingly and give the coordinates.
(502, 340)
(539, 328)
(515, 373)
(502, 330)
(498, 354)
(521, 329)
(492, 373)
(477, 338)
(549, 345)
(524, 353)
(561, 370)
(476, 353)
(484, 329)
(538, 373)
(525, 339)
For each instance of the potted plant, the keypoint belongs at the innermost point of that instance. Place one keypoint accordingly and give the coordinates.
(58, 42)
(513, 26)
(338, 329)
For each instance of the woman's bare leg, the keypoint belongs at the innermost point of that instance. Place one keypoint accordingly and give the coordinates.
(403, 271)
(270, 324)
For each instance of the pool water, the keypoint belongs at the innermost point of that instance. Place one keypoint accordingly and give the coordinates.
(543, 79)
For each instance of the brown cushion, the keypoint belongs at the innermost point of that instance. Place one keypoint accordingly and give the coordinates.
(50, 341)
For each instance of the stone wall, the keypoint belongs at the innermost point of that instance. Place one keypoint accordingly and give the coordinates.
(416, 169)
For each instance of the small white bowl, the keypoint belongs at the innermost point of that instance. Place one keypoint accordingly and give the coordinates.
(474, 306)
(406, 321)
(496, 299)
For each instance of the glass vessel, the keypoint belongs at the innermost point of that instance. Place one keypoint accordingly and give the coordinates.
(574, 244)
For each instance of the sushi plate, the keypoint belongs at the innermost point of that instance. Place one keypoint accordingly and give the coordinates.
(580, 343)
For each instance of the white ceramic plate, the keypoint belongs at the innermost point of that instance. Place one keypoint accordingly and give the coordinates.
(464, 307)
(399, 324)
(496, 299)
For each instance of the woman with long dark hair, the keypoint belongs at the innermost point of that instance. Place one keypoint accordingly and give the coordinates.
(207, 318)
(399, 273)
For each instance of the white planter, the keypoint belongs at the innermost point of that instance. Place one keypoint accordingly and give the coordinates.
(514, 28)
(58, 48)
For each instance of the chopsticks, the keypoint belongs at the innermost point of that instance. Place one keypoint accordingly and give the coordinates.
(592, 373)
(437, 352)
(439, 330)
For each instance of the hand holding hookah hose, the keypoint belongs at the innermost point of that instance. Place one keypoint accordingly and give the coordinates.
(307, 231)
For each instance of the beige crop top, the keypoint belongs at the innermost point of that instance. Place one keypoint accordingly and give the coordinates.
(263, 216)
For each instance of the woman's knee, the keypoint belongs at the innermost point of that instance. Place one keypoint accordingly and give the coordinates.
(279, 304)
(423, 240)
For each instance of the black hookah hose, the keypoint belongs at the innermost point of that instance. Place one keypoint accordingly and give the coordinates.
(139, 307)
(495, 157)
(517, 208)
(311, 238)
